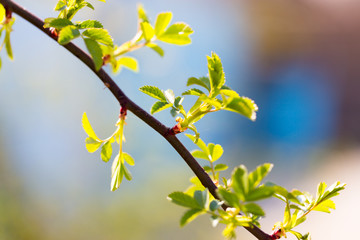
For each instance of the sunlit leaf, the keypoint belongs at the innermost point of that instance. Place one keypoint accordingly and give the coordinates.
(162, 21)
(92, 144)
(154, 92)
(128, 62)
(253, 208)
(95, 51)
(148, 30)
(216, 151)
(87, 127)
(194, 92)
(216, 73)
(60, 23)
(220, 167)
(159, 106)
(106, 151)
(156, 48)
(240, 182)
(200, 143)
(142, 14)
(100, 35)
(183, 199)
(89, 24)
(230, 198)
(128, 159)
(178, 34)
(189, 216)
(256, 176)
(67, 34)
(244, 106)
(203, 82)
(259, 193)
(199, 154)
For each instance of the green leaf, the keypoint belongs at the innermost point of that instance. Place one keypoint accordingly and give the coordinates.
(220, 167)
(60, 23)
(244, 106)
(207, 168)
(325, 206)
(201, 198)
(2, 13)
(106, 151)
(214, 205)
(200, 154)
(230, 198)
(256, 176)
(128, 159)
(159, 106)
(117, 174)
(183, 200)
(8, 45)
(129, 62)
(194, 92)
(154, 92)
(259, 193)
(216, 73)
(178, 101)
(203, 82)
(240, 182)
(127, 174)
(89, 24)
(216, 151)
(142, 14)
(67, 34)
(170, 96)
(61, 5)
(189, 216)
(162, 21)
(147, 30)
(95, 51)
(229, 231)
(229, 93)
(178, 34)
(100, 35)
(332, 191)
(299, 236)
(87, 127)
(92, 144)
(156, 48)
(253, 208)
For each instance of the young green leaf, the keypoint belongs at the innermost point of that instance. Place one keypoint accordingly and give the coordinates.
(220, 167)
(2, 13)
(100, 35)
(325, 206)
(147, 30)
(259, 193)
(159, 106)
(95, 52)
(189, 216)
(230, 198)
(129, 62)
(106, 151)
(89, 24)
(59, 23)
(256, 176)
(216, 151)
(244, 106)
(240, 182)
(216, 73)
(92, 144)
(200, 154)
(162, 21)
(193, 91)
(128, 159)
(154, 92)
(87, 127)
(142, 14)
(178, 34)
(253, 208)
(183, 199)
(61, 5)
(127, 174)
(156, 48)
(201, 198)
(8, 45)
(67, 34)
(203, 82)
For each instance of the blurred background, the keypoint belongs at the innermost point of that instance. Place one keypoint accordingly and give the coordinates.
(299, 61)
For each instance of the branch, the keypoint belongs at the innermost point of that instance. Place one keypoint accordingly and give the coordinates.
(125, 102)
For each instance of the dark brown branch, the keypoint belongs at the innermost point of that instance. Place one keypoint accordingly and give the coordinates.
(130, 105)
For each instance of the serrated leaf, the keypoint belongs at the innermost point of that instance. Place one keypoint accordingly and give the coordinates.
(128, 159)
(259, 193)
(159, 106)
(162, 21)
(199, 154)
(183, 200)
(170, 96)
(201, 198)
(256, 176)
(95, 51)
(154, 92)
(178, 34)
(106, 151)
(148, 30)
(325, 206)
(100, 35)
(203, 82)
(87, 127)
(230, 198)
(194, 92)
(253, 208)
(215, 151)
(216, 73)
(92, 144)
(229, 93)
(128, 62)
(240, 182)
(211, 101)
(156, 48)
(244, 106)
(67, 34)
(60, 23)
(332, 191)
(220, 167)
(189, 216)
(89, 24)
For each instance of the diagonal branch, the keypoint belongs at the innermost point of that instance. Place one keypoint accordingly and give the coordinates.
(125, 102)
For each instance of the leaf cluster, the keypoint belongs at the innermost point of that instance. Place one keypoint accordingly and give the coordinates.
(300, 204)
(6, 26)
(215, 96)
(93, 143)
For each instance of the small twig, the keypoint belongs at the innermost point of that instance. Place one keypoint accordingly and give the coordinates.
(126, 103)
